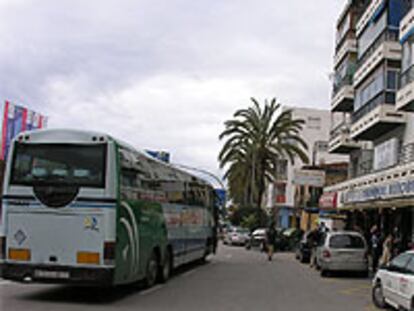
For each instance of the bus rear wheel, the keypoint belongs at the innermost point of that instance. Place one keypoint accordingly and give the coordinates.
(165, 268)
(151, 271)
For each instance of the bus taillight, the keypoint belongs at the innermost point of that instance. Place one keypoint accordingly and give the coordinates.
(109, 252)
(19, 254)
(88, 258)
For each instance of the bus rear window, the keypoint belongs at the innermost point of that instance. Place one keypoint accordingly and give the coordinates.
(59, 164)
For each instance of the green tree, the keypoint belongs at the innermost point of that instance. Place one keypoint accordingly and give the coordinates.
(254, 140)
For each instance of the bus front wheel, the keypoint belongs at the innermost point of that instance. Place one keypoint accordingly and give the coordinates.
(152, 271)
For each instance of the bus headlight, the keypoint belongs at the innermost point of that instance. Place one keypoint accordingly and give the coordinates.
(88, 258)
(19, 254)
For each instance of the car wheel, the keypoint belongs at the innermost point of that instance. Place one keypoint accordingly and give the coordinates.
(365, 274)
(151, 271)
(378, 296)
(325, 273)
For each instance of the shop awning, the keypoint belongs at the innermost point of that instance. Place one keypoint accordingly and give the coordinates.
(328, 201)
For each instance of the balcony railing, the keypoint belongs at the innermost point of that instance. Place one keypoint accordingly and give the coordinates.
(384, 98)
(342, 128)
(406, 77)
(387, 35)
(365, 167)
(347, 80)
(407, 154)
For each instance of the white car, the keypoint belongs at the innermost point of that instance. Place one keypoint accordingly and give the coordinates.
(236, 236)
(394, 283)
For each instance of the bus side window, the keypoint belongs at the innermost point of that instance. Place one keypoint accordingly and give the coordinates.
(174, 191)
(129, 184)
(196, 194)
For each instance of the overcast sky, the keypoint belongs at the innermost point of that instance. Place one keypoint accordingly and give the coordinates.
(164, 74)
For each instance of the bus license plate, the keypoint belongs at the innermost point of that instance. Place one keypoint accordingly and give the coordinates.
(44, 274)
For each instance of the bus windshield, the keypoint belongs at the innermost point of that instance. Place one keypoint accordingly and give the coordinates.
(59, 164)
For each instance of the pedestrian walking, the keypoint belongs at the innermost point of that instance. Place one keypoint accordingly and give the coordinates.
(397, 246)
(376, 247)
(314, 237)
(387, 250)
(270, 240)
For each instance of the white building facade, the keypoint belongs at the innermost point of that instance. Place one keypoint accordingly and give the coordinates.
(316, 133)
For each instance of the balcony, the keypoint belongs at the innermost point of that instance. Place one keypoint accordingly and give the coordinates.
(349, 46)
(368, 15)
(390, 50)
(340, 141)
(405, 95)
(343, 100)
(376, 122)
(407, 25)
(392, 183)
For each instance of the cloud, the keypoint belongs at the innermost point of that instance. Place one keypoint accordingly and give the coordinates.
(164, 74)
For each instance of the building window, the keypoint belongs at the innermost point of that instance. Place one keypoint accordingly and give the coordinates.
(314, 123)
(370, 89)
(369, 36)
(392, 80)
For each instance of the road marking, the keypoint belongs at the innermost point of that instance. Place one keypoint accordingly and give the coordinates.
(151, 290)
(3, 282)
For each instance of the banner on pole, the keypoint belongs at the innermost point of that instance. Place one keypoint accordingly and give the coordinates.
(17, 119)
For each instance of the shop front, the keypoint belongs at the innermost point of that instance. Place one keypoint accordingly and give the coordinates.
(387, 203)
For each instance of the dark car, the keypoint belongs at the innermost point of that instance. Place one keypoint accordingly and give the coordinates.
(303, 250)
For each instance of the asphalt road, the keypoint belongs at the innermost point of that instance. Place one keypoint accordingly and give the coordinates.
(234, 279)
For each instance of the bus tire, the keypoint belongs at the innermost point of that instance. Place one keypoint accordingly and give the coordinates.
(151, 273)
(165, 268)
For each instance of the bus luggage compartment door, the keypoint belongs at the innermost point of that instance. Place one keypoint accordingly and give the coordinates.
(55, 239)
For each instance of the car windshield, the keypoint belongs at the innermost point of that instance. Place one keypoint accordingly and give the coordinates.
(242, 231)
(59, 164)
(346, 241)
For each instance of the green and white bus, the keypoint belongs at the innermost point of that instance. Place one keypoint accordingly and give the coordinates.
(81, 207)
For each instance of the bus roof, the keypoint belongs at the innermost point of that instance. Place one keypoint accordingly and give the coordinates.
(55, 136)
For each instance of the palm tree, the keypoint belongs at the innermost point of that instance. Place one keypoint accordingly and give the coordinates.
(256, 139)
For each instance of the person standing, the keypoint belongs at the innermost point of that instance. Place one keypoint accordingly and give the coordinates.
(387, 250)
(375, 247)
(270, 241)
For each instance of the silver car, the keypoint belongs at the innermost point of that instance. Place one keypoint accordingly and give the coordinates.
(342, 251)
(236, 236)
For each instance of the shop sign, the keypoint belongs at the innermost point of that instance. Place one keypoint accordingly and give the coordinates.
(387, 191)
(315, 178)
(328, 200)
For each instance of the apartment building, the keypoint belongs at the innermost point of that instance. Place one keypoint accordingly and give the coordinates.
(376, 101)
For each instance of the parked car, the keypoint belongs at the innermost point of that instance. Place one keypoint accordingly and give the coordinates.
(342, 251)
(282, 241)
(236, 236)
(257, 239)
(394, 283)
(292, 237)
(304, 249)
